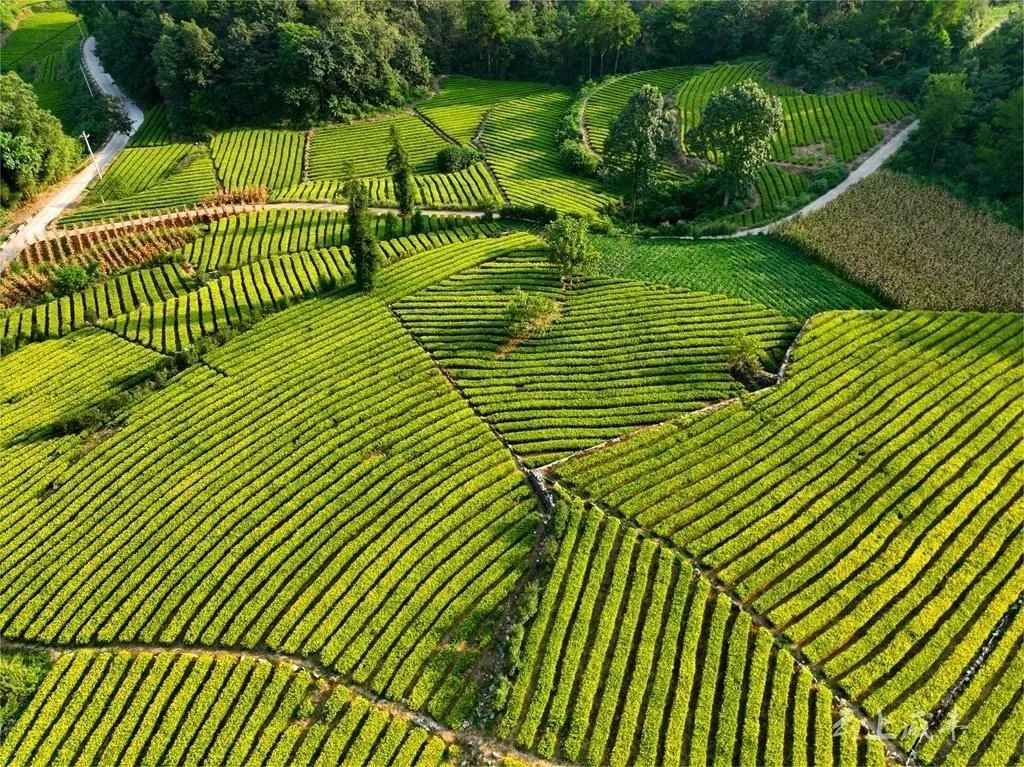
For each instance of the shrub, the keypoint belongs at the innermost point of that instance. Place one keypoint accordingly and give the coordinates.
(576, 158)
(746, 359)
(525, 311)
(20, 674)
(455, 158)
(68, 278)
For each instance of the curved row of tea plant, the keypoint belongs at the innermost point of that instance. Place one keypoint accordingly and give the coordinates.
(472, 188)
(192, 708)
(870, 507)
(366, 145)
(155, 129)
(756, 269)
(461, 103)
(520, 143)
(270, 284)
(633, 659)
(237, 240)
(373, 522)
(608, 99)
(270, 158)
(47, 383)
(846, 123)
(111, 298)
(187, 185)
(621, 355)
(137, 169)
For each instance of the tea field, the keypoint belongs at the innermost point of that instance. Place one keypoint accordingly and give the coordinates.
(751, 500)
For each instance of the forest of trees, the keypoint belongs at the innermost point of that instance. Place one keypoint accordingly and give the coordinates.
(971, 139)
(219, 63)
(260, 61)
(248, 62)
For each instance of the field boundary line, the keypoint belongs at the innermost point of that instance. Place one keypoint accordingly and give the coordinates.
(435, 127)
(468, 736)
(726, 590)
(478, 143)
(533, 476)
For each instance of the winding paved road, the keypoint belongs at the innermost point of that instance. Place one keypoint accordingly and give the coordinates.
(70, 189)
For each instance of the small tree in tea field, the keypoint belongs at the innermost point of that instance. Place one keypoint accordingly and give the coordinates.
(362, 241)
(401, 173)
(568, 238)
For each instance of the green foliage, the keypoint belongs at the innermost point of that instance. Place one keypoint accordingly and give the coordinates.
(362, 242)
(568, 239)
(401, 173)
(736, 129)
(21, 673)
(34, 152)
(642, 134)
(576, 158)
(455, 157)
(405, 190)
(525, 312)
(971, 139)
(746, 358)
(941, 108)
(220, 64)
(67, 278)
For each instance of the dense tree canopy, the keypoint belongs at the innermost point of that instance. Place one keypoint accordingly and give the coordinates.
(639, 138)
(290, 61)
(34, 151)
(736, 129)
(971, 139)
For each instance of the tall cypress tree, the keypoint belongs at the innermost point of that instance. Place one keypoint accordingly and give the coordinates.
(401, 173)
(362, 241)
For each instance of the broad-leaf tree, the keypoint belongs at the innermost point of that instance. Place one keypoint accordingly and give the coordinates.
(34, 151)
(735, 130)
(638, 140)
(941, 109)
(401, 173)
(568, 239)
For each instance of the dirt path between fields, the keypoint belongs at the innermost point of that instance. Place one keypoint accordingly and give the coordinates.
(485, 749)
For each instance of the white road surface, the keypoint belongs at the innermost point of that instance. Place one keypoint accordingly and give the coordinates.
(70, 189)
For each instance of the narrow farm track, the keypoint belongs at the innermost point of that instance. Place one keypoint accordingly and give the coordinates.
(483, 748)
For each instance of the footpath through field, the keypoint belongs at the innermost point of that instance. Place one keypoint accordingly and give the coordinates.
(72, 187)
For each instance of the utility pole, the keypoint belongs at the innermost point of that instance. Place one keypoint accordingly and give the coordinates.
(99, 173)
